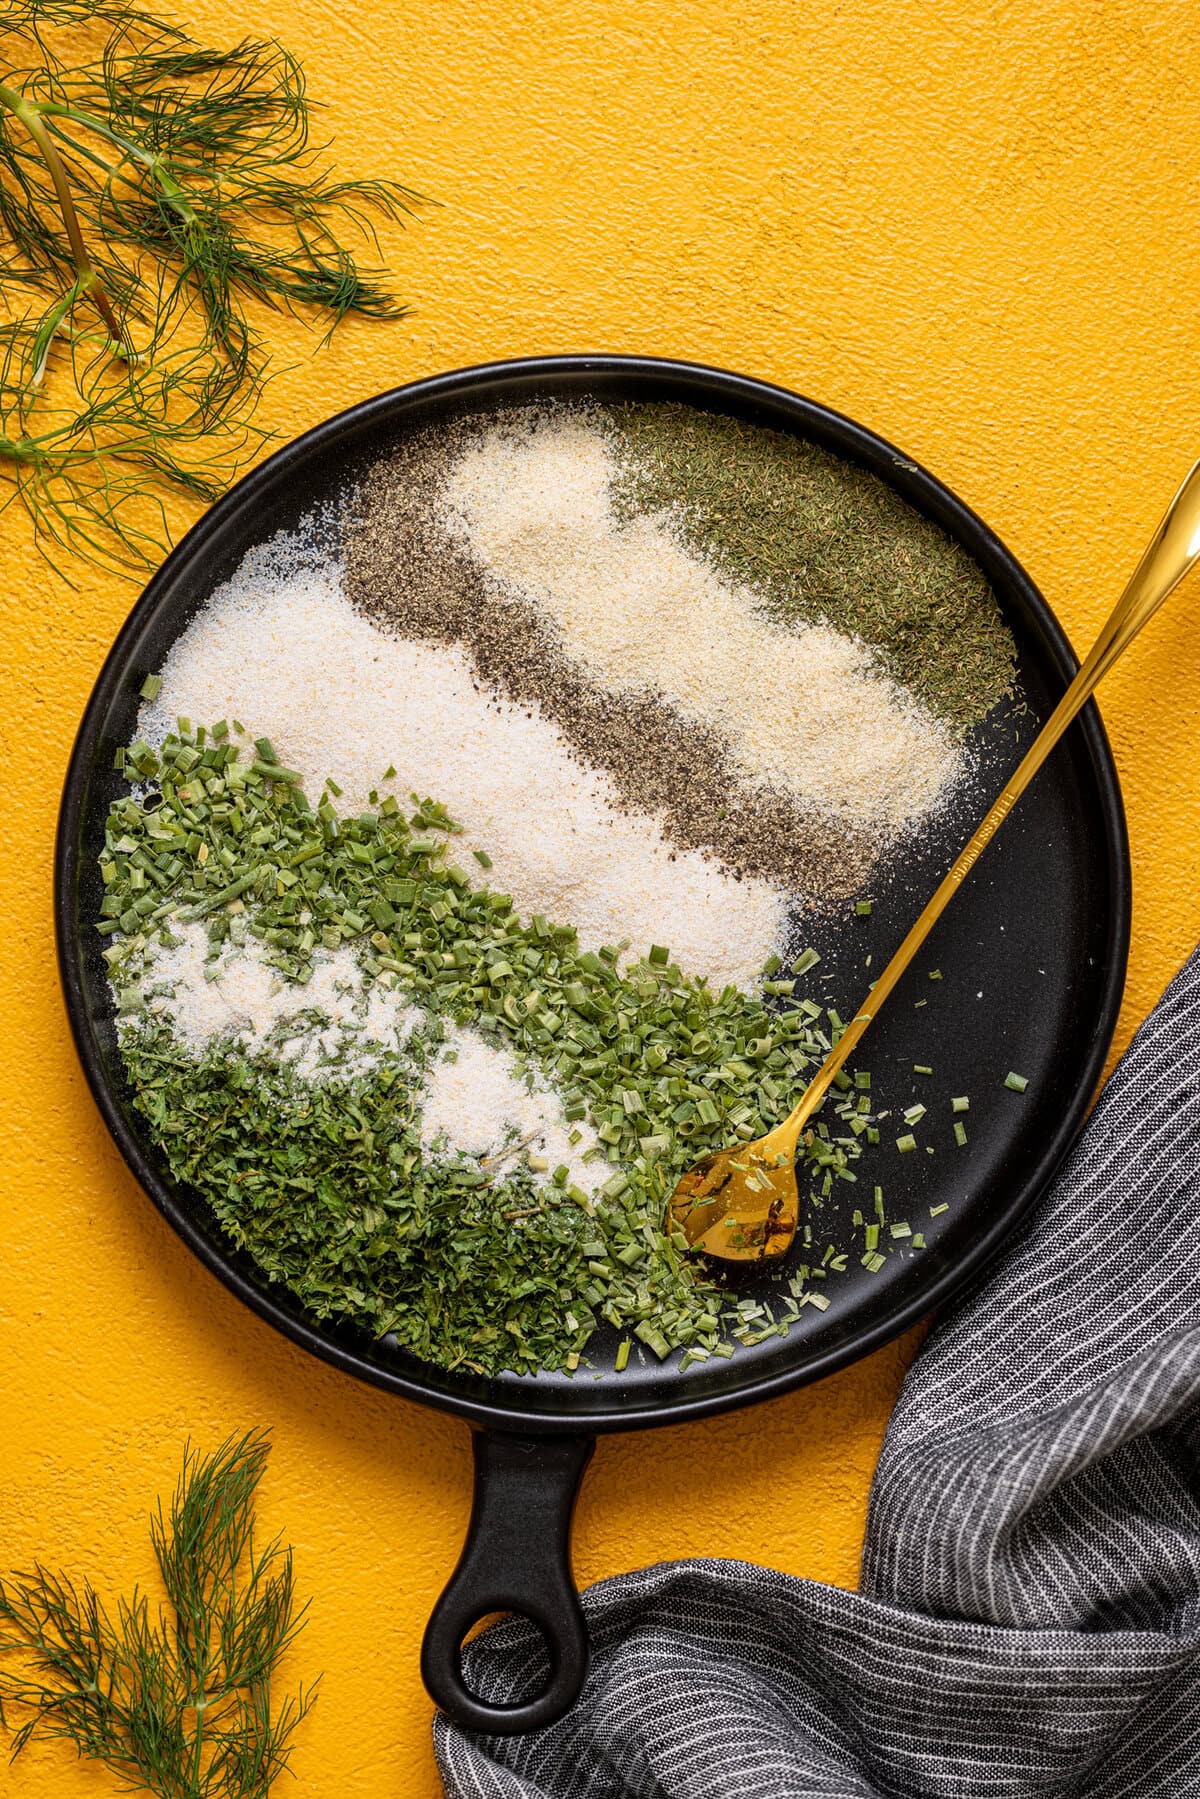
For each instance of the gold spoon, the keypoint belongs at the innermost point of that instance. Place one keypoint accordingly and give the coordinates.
(742, 1204)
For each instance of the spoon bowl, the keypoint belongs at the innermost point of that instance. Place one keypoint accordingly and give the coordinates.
(741, 1204)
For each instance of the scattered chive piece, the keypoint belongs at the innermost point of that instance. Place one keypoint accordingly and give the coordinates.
(918, 1241)
(863, 908)
(961, 1104)
(905, 1143)
(914, 1114)
(482, 857)
(936, 1211)
(622, 1360)
(960, 1133)
(902, 1229)
(151, 687)
(658, 957)
(271, 771)
(935, 974)
(919, 1003)
(920, 1068)
(808, 959)
(1016, 1083)
(873, 1261)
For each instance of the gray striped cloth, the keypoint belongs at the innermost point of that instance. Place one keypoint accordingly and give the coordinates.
(1029, 1618)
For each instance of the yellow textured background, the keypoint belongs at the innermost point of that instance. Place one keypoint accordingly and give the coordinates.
(973, 228)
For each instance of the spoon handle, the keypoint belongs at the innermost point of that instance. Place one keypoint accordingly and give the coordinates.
(1170, 553)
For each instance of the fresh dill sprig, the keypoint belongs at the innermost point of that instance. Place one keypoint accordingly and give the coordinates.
(152, 192)
(176, 1701)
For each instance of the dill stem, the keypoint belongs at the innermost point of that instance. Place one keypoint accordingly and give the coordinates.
(32, 449)
(198, 1705)
(18, 449)
(172, 191)
(89, 280)
(55, 317)
(202, 1664)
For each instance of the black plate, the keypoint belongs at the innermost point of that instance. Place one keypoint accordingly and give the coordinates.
(1032, 953)
(1032, 957)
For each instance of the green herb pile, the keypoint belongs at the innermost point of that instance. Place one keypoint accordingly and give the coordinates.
(176, 1701)
(152, 190)
(326, 1184)
(824, 542)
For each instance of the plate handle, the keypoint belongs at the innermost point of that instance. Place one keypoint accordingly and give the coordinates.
(516, 1558)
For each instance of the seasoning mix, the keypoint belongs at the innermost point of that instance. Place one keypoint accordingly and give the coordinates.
(457, 902)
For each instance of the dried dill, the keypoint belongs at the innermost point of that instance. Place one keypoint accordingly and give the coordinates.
(153, 189)
(824, 542)
(175, 1700)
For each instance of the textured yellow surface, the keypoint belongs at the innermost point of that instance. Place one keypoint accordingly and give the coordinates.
(972, 228)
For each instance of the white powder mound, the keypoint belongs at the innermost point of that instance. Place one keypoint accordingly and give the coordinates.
(475, 1104)
(281, 650)
(332, 1028)
(336, 1028)
(805, 710)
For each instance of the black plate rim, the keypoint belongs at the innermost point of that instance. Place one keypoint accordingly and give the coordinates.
(928, 495)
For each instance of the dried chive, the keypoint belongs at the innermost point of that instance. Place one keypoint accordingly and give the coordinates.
(304, 1177)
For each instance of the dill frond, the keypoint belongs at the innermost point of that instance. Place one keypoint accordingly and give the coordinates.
(153, 192)
(174, 1700)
